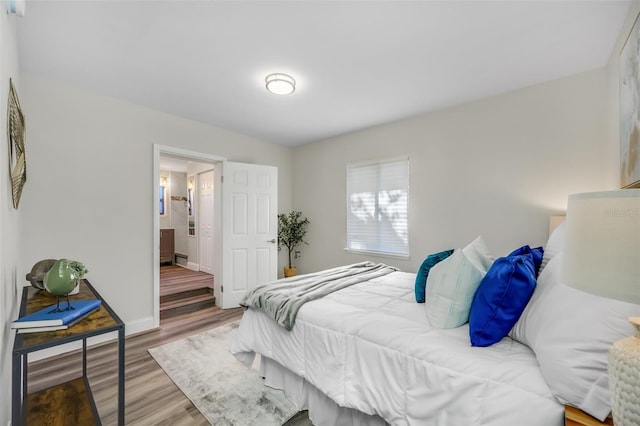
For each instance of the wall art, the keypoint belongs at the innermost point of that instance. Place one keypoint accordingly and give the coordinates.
(630, 110)
(15, 133)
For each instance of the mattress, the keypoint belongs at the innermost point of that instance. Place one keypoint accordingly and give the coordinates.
(369, 347)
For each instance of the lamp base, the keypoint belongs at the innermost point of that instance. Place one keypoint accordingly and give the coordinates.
(624, 378)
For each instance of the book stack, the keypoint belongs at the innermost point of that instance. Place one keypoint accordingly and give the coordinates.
(48, 320)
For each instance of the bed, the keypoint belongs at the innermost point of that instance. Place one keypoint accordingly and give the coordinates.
(367, 354)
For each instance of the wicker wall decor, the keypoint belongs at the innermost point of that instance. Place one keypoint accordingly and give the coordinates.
(15, 133)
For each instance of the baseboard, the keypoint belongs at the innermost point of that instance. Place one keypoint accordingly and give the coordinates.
(133, 327)
(193, 266)
(138, 326)
(181, 259)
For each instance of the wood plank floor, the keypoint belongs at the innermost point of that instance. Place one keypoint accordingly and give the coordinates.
(151, 397)
(183, 290)
(176, 279)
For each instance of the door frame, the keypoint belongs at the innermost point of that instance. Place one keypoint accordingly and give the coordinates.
(184, 154)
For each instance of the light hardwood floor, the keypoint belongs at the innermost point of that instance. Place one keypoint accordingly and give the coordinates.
(176, 279)
(183, 291)
(151, 397)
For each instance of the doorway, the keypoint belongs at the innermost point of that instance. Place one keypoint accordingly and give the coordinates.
(187, 166)
(186, 253)
(246, 201)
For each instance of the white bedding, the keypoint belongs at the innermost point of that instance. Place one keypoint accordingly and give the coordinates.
(369, 347)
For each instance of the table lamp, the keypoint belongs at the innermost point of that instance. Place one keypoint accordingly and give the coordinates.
(602, 257)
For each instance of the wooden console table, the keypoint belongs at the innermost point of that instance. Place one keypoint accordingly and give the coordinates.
(71, 401)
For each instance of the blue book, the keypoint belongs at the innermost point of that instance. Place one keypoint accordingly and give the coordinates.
(41, 329)
(47, 318)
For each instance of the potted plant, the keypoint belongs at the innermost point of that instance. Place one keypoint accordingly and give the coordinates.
(291, 231)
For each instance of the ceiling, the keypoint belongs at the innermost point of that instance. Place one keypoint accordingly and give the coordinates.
(173, 164)
(357, 63)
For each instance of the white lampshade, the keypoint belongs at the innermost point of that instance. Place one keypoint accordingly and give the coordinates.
(602, 252)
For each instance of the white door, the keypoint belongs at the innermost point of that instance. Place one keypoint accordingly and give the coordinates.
(206, 221)
(249, 235)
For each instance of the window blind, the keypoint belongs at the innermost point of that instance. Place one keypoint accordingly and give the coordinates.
(377, 207)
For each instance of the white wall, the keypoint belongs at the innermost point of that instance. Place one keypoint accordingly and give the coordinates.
(90, 196)
(11, 274)
(497, 167)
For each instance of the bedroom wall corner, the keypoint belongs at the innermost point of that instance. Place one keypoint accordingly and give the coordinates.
(498, 167)
(77, 139)
(10, 218)
(612, 142)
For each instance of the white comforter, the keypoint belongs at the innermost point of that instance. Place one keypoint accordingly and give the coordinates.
(369, 347)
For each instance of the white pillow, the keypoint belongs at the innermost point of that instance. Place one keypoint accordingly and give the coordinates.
(452, 283)
(555, 245)
(571, 332)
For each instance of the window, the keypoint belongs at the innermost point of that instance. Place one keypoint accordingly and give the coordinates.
(377, 206)
(162, 198)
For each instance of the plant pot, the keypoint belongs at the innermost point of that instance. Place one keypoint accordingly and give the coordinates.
(289, 272)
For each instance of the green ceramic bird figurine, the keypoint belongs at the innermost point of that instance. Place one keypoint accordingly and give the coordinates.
(62, 278)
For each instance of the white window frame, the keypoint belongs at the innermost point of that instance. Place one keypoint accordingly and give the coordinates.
(350, 246)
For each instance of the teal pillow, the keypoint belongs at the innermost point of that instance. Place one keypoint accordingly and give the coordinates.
(422, 274)
(502, 296)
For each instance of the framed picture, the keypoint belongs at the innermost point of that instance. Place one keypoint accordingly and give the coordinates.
(630, 110)
(15, 133)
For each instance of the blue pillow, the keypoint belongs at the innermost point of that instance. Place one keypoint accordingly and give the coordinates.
(501, 297)
(535, 252)
(421, 277)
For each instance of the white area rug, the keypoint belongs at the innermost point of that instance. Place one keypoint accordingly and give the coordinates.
(224, 390)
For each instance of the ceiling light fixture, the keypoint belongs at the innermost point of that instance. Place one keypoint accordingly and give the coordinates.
(280, 84)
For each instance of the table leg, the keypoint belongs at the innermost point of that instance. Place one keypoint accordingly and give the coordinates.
(121, 376)
(18, 378)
